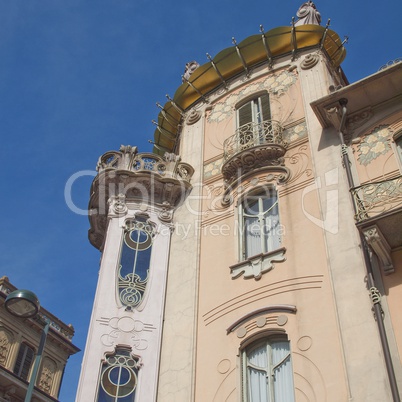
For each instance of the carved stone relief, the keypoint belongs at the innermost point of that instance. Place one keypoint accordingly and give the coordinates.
(6, 338)
(46, 378)
(117, 205)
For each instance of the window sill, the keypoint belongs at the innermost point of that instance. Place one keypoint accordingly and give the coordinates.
(255, 266)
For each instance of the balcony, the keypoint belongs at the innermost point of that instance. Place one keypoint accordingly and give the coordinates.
(379, 216)
(254, 146)
(145, 179)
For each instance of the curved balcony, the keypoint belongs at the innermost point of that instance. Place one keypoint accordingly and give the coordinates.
(253, 146)
(126, 176)
(379, 217)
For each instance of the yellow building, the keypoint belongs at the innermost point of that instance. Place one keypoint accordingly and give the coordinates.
(243, 260)
(19, 344)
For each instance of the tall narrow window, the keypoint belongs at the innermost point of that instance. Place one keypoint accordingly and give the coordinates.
(259, 223)
(119, 377)
(134, 262)
(252, 117)
(268, 372)
(24, 361)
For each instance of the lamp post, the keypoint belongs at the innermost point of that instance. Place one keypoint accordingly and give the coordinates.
(25, 304)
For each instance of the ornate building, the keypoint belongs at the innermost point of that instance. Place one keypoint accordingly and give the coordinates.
(265, 262)
(19, 342)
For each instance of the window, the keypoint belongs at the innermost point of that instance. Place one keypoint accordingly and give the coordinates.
(134, 262)
(118, 379)
(24, 361)
(398, 143)
(267, 372)
(252, 117)
(259, 223)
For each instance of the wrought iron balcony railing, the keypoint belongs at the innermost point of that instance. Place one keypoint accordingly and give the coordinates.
(377, 198)
(251, 135)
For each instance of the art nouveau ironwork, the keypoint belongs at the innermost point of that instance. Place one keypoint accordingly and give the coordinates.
(377, 197)
(134, 262)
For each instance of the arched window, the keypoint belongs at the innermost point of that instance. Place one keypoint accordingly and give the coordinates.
(260, 230)
(267, 371)
(119, 377)
(24, 361)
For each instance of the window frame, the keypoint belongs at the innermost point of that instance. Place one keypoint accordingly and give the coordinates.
(22, 363)
(260, 112)
(268, 342)
(125, 362)
(262, 216)
(397, 142)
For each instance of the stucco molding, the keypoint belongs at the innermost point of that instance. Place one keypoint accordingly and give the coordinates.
(117, 206)
(309, 61)
(122, 327)
(256, 266)
(193, 117)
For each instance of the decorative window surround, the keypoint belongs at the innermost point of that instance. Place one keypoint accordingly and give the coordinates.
(257, 265)
(275, 84)
(275, 308)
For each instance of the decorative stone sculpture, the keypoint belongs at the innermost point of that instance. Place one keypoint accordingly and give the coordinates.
(189, 69)
(308, 14)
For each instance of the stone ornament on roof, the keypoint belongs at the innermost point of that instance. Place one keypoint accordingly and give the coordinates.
(308, 14)
(189, 69)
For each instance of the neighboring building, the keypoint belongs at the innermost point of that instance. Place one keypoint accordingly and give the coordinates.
(249, 267)
(19, 341)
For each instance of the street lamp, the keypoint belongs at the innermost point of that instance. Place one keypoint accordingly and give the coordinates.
(25, 304)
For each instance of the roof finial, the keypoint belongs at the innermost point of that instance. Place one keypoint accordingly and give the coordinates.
(308, 14)
(191, 66)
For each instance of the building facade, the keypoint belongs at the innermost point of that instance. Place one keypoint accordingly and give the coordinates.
(256, 254)
(19, 343)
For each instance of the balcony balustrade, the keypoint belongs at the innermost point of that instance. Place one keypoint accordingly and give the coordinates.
(251, 135)
(143, 179)
(377, 198)
(253, 146)
(379, 217)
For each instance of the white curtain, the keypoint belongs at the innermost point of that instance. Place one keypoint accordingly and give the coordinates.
(270, 373)
(253, 236)
(272, 227)
(258, 378)
(283, 372)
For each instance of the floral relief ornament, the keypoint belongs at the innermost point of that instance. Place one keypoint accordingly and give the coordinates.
(374, 145)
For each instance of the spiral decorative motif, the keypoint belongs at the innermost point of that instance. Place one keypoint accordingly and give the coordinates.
(130, 297)
(193, 117)
(310, 61)
(135, 258)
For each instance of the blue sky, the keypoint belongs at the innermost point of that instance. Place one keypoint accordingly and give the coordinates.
(79, 78)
